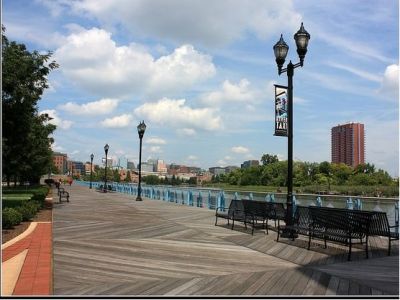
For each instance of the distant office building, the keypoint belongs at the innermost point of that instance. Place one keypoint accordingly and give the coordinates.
(78, 168)
(174, 169)
(229, 169)
(161, 166)
(194, 170)
(130, 165)
(110, 162)
(147, 167)
(153, 162)
(217, 171)
(348, 144)
(87, 168)
(250, 163)
(60, 161)
(203, 178)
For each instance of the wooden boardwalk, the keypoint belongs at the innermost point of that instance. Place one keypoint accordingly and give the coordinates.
(110, 244)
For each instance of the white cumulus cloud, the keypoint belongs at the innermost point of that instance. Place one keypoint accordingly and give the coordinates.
(156, 141)
(101, 107)
(210, 23)
(230, 92)
(56, 120)
(118, 122)
(155, 149)
(186, 131)
(240, 150)
(122, 70)
(390, 82)
(175, 113)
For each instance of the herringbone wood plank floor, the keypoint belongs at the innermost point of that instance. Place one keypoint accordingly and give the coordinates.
(110, 244)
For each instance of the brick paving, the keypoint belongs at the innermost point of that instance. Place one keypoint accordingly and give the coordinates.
(36, 273)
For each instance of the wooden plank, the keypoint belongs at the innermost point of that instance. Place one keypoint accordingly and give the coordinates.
(109, 244)
(343, 288)
(304, 276)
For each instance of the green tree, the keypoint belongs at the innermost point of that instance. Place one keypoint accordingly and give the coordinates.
(325, 168)
(128, 177)
(116, 176)
(341, 172)
(192, 181)
(26, 144)
(269, 159)
(151, 179)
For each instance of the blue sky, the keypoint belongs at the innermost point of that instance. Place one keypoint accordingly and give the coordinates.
(200, 74)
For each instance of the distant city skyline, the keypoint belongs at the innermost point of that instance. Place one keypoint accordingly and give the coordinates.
(201, 75)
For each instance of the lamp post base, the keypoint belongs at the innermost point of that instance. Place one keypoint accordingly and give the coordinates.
(138, 198)
(104, 191)
(288, 233)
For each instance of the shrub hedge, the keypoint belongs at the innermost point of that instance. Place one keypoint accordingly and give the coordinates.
(13, 202)
(21, 204)
(28, 210)
(10, 217)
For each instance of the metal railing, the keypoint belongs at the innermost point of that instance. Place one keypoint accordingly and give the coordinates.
(211, 198)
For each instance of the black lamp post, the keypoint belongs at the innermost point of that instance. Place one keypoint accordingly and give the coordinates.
(141, 128)
(106, 147)
(281, 49)
(91, 169)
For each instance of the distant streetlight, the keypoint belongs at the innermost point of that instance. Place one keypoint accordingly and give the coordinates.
(91, 169)
(280, 50)
(141, 128)
(106, 147)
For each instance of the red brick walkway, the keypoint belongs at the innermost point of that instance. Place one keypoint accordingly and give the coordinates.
(36, 273)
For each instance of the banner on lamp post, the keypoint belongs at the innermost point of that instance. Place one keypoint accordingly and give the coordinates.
(281, 104)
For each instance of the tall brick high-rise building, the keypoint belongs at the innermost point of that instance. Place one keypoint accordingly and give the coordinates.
(348, 144)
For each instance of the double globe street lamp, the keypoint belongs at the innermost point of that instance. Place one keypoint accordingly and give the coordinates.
(280, 50)
(106, 147)
(141, 128)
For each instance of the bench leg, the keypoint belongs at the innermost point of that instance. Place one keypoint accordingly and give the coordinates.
(277, 237)
(266, 225)
(309, 240)
(389, 248)
(366, 246)
(68, 199)
(216, 218)
(233, 223)
(349, 256)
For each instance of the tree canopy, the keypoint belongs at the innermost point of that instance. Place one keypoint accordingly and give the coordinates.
(26, 140)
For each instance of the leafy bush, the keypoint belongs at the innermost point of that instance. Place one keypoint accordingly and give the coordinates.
(10, 217)
(27, 210)
(13, 202)
(40, 194)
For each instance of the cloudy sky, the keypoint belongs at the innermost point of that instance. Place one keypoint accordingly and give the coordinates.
(200, 73)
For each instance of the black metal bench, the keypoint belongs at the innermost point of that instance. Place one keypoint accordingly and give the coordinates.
(63, 195)
(339, 225)
(301, 222)
(235, 212)
(255, 211)
(380, 227)
(59, 190)
(276, 212)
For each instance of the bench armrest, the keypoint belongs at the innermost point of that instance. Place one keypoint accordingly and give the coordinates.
(221, 208)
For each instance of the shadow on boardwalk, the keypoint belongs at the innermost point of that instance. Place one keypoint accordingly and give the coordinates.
(109, 244)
